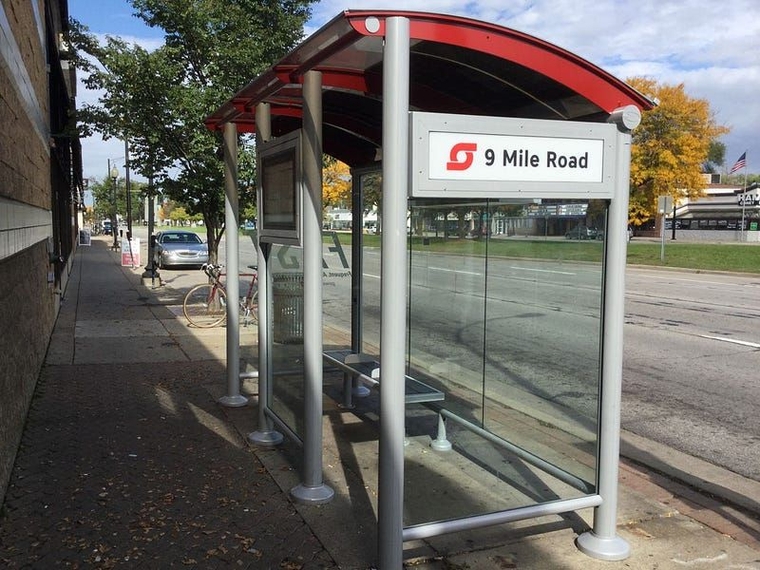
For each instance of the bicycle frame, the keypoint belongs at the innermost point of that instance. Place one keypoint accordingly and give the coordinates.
(215, 273)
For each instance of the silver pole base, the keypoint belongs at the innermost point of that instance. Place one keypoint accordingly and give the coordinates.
(233, 401)
(614, 548)
(265, 438)
(441, 443)
(312, 495)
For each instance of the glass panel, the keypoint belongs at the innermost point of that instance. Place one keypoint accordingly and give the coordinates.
(371, 183)
(286, 265)
(336, 289)
(504, 319)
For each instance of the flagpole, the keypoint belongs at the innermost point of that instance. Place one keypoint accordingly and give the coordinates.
(744, 200)
(738, 165)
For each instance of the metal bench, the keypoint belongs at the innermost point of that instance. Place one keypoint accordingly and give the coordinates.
(367, 370)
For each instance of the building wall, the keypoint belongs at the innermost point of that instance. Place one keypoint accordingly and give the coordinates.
(30, 237)
(714, 236)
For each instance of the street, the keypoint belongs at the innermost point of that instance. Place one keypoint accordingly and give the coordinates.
(692, 341)
(692, 353)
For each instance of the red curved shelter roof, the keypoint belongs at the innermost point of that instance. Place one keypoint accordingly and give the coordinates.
(458, 65)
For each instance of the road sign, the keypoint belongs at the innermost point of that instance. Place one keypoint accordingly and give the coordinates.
(664, 204)
(461, 156)
(130, 252)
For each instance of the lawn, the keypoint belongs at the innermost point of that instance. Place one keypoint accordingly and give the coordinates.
(742, 258)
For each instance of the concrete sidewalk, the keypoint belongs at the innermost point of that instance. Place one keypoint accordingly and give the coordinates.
(127, 461)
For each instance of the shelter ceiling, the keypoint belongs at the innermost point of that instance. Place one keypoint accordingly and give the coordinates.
(457, 66)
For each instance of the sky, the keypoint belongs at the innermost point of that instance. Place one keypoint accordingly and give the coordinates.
(713, 48)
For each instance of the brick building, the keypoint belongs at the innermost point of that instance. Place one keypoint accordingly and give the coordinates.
(40, 192)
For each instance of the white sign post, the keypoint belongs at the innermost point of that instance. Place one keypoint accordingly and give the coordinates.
(664, 205)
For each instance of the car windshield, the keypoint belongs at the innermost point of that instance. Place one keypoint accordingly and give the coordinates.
(180, 238)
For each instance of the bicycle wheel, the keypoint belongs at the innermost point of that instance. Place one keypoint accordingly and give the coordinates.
(251, 308)
(205, 306)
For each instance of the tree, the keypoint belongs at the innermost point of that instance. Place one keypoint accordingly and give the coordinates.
(157, 100)
(104, 191)
(716, 157)
(179, 216)
(336, 183)
(669, 148)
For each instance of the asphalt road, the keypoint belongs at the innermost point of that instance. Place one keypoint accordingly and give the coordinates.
(692, 342)
(692, 355)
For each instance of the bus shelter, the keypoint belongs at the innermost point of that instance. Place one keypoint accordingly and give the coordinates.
(487, 317)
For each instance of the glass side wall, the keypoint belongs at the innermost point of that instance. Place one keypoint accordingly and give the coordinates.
(371, 187)
(286, 267)
(286, 264)
(505, 304)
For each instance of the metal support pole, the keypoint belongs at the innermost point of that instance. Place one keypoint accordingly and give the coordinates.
(744, 203)
(312, 489)
(128, 190)
(393, 293)
(150, 268)
(266, 435)
(114, 218)
(603, 542)
(233, 399)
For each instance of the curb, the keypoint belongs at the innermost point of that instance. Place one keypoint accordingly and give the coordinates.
(702, 476)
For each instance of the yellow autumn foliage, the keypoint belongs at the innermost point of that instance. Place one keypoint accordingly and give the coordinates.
(669, 147)
(336, 184)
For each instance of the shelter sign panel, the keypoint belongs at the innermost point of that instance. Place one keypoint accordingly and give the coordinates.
(462, 156)
(280, 190)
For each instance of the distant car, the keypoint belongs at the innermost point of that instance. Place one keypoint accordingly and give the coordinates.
(179, 248)
(581, 232)
(107, 227)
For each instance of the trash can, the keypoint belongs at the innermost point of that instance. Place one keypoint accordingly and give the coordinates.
(287, 301)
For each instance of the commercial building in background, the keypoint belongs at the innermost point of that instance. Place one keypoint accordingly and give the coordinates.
(725, 213)
(41, 194)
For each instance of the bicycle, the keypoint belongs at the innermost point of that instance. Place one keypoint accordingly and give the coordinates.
(205, 305)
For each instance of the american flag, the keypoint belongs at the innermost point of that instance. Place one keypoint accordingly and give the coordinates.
(741, 163)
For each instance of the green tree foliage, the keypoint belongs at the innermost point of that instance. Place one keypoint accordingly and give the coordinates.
(669, 148)
(716, 157)
(157, 100)
(179, 216)
(106, 194)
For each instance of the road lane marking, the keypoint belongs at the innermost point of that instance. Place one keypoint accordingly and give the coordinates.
(542, 270)
(731, 340)
(456, 271)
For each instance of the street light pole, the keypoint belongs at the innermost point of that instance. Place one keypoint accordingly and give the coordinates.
(128, 189)
(150, 268)
(113, 173)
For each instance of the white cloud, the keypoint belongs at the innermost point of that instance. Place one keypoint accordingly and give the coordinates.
(711, 47)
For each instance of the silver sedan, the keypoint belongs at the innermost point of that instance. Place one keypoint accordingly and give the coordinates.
(178, 247)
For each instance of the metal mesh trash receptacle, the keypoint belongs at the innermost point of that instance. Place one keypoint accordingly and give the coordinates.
(287, 300)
